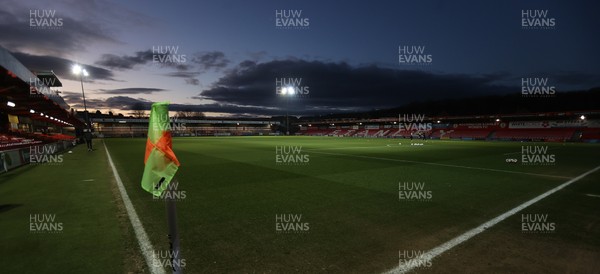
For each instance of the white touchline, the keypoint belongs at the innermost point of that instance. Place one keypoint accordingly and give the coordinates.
(446, 165)
(429, 255)
(593, 195)
(138, 228)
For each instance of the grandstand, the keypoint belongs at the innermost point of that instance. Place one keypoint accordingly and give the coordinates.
(31, 114)
(107, 126)
(580, 126)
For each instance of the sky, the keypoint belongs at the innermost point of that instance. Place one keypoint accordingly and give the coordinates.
(230, 58)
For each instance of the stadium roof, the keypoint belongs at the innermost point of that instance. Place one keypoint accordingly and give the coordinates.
(48, 78)
(30, 95)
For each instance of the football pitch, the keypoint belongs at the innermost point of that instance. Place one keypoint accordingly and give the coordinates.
(314, 205)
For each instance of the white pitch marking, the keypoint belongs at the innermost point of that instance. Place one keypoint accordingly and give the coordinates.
(138, 228)
(593, 195)
(345, 148)
(445, 165)
(429, 255)
(88, 180)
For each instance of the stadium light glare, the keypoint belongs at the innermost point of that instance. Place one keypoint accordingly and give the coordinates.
(582, 117)
(438, 121)
(31, 111)
(41, 114)
(10, 104)
(77, 69)
(287, 90)
(497, 120)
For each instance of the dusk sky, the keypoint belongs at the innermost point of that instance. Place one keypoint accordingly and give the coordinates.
(347, 54)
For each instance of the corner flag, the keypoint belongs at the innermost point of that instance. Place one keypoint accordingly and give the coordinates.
(160, 160)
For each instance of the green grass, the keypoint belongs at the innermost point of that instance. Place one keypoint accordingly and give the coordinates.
(348, 193)
(94, 238)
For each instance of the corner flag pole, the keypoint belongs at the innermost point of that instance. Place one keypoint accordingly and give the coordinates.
(161, 164)
(173, 234)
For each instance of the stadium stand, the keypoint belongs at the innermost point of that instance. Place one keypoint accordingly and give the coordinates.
(31, 114)
(590, 135)
(311, 131)
(547, 134)
(475, 134)
(10, 142)
(537, 127)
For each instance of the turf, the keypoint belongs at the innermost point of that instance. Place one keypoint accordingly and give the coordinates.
(77, 192)
(348, 193)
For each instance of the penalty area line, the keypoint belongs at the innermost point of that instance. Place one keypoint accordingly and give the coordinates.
(431, 254)
(138, 228)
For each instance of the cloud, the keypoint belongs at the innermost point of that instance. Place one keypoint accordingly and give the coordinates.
(75, 100)
(257, 55)
(213, 60)
(132, 90)
(562, 80)
(124, 62)
(574, 79)
(335, 87)
(188, 76)
(125, 102)
(74, 35)
(127, 62)
(202, 61)
(60, 66)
